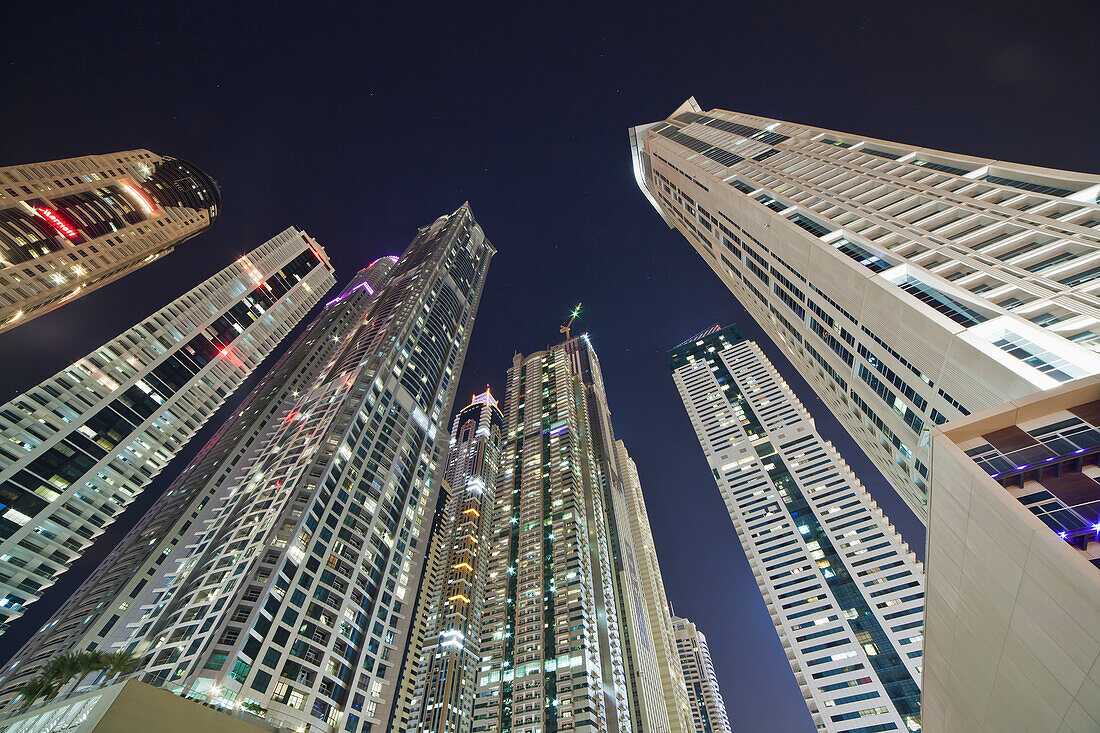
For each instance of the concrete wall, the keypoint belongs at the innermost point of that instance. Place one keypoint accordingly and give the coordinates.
(1012, 615)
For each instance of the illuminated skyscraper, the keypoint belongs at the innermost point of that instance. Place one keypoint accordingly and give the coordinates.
(77, 449)
(566, 643)
(845, 593)
(111, 604)
(297, 592)
(708, 712)
(70, 226)
(453, 597)
(908, 286)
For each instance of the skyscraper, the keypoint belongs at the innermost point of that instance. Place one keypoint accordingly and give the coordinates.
(673, 690)
(454, 599)
(639, 649)
(297, 593)
(843, 589)
(908, 286)
(76, 449)
(70, 226)
(418, 629)
(566, 643)
(1012, 627)
(708, 712)
(109, 606)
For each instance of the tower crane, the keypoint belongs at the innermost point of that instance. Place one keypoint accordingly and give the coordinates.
(565, 329)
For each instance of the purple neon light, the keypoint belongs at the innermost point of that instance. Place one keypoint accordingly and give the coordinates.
(364, 286)
(559, 430)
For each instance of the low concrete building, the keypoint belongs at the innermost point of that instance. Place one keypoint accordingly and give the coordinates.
(1012, 617)
(132, 707)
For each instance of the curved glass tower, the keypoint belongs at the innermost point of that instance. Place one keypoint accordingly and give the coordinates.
(453, 594)
(70, 226)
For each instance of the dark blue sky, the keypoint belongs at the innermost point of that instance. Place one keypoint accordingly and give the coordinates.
(359, 124)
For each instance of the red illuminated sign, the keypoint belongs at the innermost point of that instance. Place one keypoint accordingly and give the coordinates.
(58, 223)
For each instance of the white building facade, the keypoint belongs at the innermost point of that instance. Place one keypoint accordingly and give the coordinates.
(673, 690)
(1012, 624)
(708, 711)
(843, 590)
(908, 286)
(77, 449)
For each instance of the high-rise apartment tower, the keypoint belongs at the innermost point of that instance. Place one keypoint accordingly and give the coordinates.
(708, 712)
(453, 595)
(76, 449)
(298, 592)
(566, 640)
(843, 589)
(112, 603)
(70, 226)
(908, 286)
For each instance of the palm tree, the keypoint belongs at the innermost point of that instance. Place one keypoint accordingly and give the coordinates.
(88, 662)
(59, 670)
(33, 689)
(119, 664)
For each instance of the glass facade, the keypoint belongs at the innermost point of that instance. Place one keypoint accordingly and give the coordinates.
(453, 592)
(138, 573)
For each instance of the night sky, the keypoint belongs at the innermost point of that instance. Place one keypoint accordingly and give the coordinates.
(361, 124)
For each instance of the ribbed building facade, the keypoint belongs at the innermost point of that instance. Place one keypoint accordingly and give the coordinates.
(454, 591)
(70, 226)
(297, 593)
(137, 577)
(844, 591)
(76, 449)
(908, 286)
(708, 711)
(673, 690)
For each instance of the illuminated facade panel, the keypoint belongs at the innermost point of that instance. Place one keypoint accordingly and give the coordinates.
(112, 603)
(70, 226)
(908, 286)
(77, 449)
(845, 593)
(326, 533)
